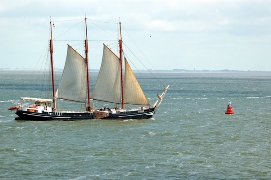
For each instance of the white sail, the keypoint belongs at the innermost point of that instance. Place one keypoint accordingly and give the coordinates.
(133, 93)
(73, 81)
(107, 87)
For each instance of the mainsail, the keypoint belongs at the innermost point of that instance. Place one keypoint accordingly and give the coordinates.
(108, 86)
(73, 81)
(108, 83)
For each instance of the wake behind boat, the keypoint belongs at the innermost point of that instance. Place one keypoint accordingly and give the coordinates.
(116, 84)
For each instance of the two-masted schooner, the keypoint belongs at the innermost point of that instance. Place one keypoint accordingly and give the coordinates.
(116, 84)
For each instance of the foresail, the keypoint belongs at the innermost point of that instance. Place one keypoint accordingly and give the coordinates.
(107, 87)
(133, 93)
(73, 81)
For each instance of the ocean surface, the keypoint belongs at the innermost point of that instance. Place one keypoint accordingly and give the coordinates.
(189, 137)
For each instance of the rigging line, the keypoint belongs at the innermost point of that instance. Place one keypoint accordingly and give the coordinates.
(45, 82)
(136, 68)
(78, 43)
(100, 21)
(42, 54)
(41, 61)
(104, 30)
(112, 45)
(82, 40)
(125, 55)
(67, 40)
(101, 40)
(130, 62)
(68, 30)
(67, 20)
(142, 52)
(140, 72)
(143, 65)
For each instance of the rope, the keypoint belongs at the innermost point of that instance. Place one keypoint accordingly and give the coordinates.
(68, 29)
(92, 21)
(144, 66)
(145, 58)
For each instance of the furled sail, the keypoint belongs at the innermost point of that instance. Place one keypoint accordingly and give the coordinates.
(133, 93)
(107, 87)
(73, 81)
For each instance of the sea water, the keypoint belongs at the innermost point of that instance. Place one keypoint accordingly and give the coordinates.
(190, 137)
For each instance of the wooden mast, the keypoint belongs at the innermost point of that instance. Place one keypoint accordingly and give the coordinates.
(52, 67)
(86, 61)
(121, 73)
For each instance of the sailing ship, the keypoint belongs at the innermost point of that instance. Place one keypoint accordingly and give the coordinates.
(116, 84)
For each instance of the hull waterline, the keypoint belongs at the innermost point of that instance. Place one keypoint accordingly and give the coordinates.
(74, 116)
(55, 116)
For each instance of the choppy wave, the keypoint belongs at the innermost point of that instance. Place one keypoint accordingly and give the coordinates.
(8, 101)
(191, 137)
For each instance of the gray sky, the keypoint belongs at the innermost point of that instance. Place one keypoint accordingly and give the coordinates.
(172, 34)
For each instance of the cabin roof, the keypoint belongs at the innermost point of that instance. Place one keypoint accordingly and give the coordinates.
(37, 100)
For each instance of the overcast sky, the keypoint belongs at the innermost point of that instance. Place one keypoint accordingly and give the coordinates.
(172, 34)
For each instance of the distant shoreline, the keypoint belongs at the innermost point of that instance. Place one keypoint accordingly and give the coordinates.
(149, 71)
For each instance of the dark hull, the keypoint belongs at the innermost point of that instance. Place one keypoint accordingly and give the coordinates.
(73, 116)
(146, 114)
(55, 116)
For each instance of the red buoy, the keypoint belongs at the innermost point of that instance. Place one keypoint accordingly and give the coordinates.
(229, 109)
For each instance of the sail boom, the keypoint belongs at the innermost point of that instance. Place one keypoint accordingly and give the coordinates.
(120, 102)
(71, 100)
(139, 104)
(106, 101)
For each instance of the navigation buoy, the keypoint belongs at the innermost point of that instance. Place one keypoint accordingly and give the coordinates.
(229, 109)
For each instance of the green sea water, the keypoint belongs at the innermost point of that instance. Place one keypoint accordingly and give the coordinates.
(189, 137)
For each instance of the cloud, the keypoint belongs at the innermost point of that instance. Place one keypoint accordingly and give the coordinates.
(187, 32)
